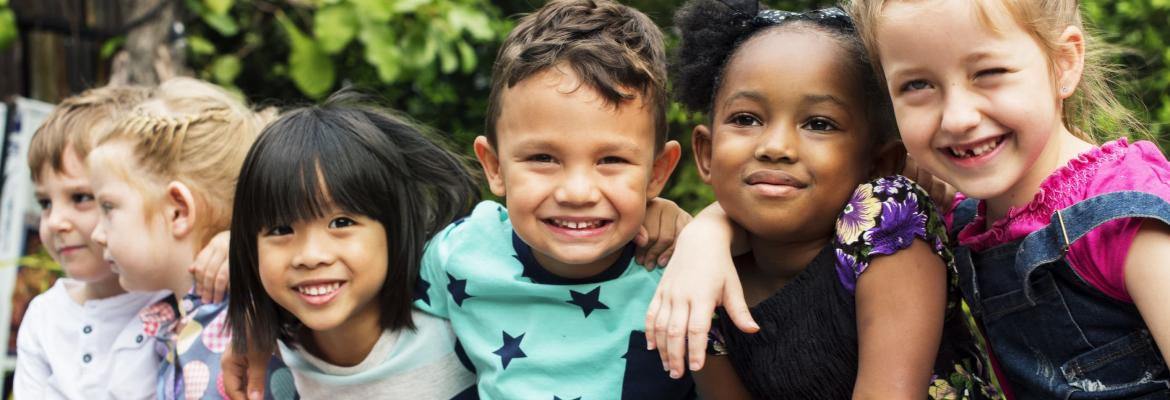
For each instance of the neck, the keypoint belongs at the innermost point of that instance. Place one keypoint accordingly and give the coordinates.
(577, 271)
(350, 343)
(179, 279)
(1062, 148)
(105, 288)
(782, 260)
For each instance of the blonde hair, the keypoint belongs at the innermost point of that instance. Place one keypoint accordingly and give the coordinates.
(191, 132)
(78, 122)
(1093, 112)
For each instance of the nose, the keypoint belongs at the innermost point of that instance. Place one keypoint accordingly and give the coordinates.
(99, 233)
(57, 220)
(577, 187)
(315, 251)
(777, 144)
(961, 112)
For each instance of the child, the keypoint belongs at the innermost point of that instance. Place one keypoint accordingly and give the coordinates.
(163, 180)
(544, 295)
(334, 206)
(81, 338)
(1063, 242)
(847, 277)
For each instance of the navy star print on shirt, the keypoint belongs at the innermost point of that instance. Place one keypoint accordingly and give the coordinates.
(420, 291)
(458, 289)
(510, 349)
(587, 301)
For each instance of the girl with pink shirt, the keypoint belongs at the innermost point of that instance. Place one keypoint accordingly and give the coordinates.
(1061, 242)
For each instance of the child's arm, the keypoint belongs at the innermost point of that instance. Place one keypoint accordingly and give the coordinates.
(718, 380)
(699, 277)
(210, 269)
(655, 241)
(1147, 278)
(32, 372)
(901, 302)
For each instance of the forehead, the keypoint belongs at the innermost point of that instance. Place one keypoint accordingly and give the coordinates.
(72, 172)
(792, 61)
(931, 30)
(554, 106)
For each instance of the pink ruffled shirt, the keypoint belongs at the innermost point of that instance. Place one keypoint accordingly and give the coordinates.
(1099, 256)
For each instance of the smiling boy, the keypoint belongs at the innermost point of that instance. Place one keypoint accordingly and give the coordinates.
(544, 295)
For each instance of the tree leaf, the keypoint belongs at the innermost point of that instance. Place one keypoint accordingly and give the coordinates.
(310, 68)
(200, 46)
(222, 23)
(376, 10)
(467, 54)
(219, 7)
(7, 27)
(111, 46)
(334, 27)
(225, 69)
(406, 6)
(448, 62)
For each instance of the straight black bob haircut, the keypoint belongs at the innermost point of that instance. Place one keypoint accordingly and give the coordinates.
(362, 159)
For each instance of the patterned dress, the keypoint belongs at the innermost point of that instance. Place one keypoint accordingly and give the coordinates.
(807, 347)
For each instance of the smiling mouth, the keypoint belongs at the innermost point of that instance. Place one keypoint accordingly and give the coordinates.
(321, 289)
(578, 224)
(976, 149)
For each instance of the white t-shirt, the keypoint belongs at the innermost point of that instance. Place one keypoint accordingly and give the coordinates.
(407, 364)
(95, 350)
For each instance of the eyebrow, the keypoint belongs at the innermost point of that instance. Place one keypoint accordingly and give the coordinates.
(747, 94)
(813, 99)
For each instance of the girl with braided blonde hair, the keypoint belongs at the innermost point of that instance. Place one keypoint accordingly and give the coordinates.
(164, 179)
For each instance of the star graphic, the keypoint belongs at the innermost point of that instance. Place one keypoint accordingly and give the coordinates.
(458, 289)
(510, 349)
(587, 301)
(420, 291)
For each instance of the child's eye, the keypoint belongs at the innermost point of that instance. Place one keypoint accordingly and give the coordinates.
(612, 160)
(744, 120)
(44, 203)
(106, 207)
(278, 230)
(82, 197)
(915, 85)
(341, 222)
(540, 158)
(819, 124)
(990, 72)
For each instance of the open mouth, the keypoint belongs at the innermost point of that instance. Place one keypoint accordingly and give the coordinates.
(578, 224)
(318, 290)
(976, 149)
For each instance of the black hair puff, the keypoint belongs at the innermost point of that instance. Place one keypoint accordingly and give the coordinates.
(710, 32)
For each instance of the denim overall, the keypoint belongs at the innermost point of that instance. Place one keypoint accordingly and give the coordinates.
(1057, 337)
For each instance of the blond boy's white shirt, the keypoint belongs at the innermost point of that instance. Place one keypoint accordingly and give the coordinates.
(95, 350)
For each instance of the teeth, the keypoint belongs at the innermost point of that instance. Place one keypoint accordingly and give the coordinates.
(319, 290)
(974, 152)
(577, 224)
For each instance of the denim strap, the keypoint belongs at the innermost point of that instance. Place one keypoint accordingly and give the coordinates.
(1070, 224)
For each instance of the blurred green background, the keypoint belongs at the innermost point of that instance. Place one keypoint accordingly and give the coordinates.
(432, 58)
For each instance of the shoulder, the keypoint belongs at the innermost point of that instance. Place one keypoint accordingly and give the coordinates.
(1124, 166)
(882, 217)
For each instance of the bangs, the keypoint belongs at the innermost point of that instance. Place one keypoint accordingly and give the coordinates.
(285, 179)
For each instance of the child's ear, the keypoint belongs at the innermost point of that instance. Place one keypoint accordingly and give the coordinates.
(890, 160)
(490, 161)
(664, 165)
(180, 209)
(701, 145)
(1070, 61)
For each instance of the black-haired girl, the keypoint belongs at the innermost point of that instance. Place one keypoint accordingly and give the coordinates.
(333, 208)
(846, 268)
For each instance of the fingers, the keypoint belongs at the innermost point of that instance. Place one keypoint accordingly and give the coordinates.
(219, 285)
(651, 317)
(234, 368)
(662, 240)
(736, 306)
(640, 241)
(661, 341)
(697, 329)
(676, 334)
(257, 369)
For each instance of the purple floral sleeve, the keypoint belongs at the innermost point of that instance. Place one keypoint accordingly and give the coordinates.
(883, 217)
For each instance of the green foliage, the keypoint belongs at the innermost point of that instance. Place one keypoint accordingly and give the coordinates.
(7, 25)
(431, 58)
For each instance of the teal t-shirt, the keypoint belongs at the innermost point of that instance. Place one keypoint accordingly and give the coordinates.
(533, 335)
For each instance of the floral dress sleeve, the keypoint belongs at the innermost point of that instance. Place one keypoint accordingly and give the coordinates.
(883, 217)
